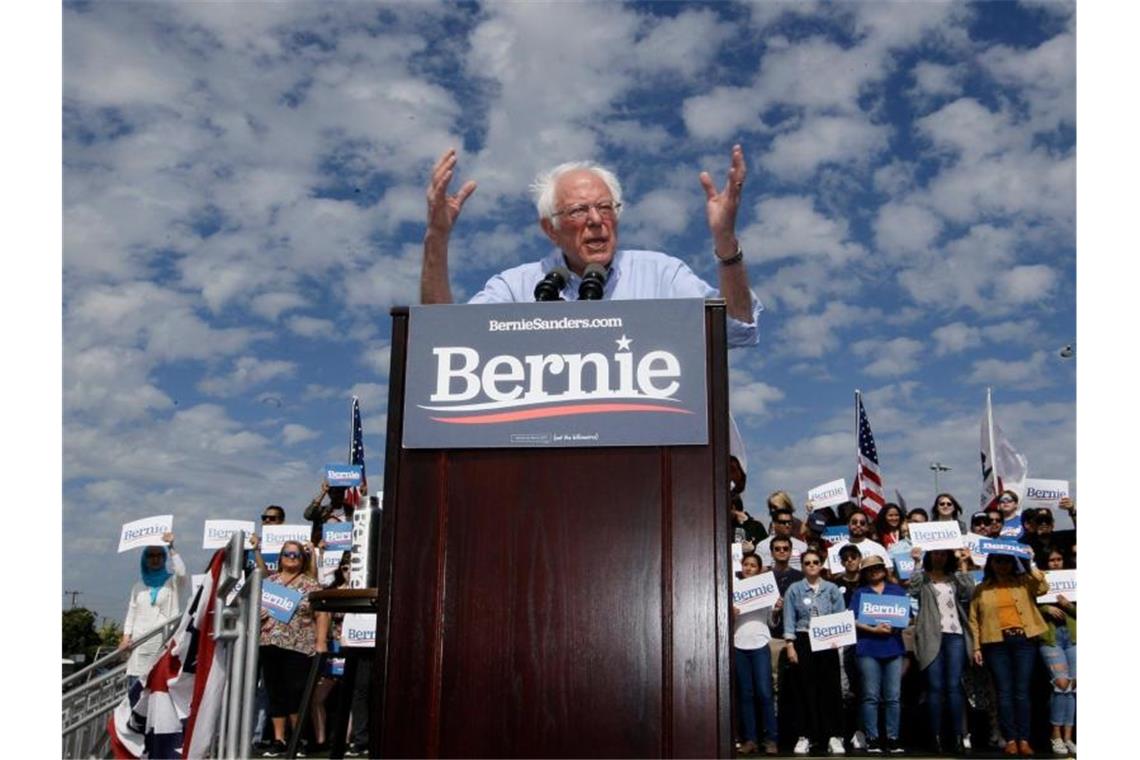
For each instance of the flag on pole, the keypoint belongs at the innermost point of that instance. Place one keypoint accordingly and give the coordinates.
(173, 710)
(868, 478)
(355, 495)
(1003, 467)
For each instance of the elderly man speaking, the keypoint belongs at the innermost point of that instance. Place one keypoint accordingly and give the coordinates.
(579, 205)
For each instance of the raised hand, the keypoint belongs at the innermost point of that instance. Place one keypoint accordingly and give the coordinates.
(443, 209)
(721, 207)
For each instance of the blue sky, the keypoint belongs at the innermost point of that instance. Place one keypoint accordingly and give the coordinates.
(243, 201)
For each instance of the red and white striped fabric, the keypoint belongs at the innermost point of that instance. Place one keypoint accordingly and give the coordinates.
(868, 477)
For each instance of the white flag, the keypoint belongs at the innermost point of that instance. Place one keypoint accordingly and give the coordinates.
(1003, 467)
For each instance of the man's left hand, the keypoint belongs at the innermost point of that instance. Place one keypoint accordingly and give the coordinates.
(721, 207)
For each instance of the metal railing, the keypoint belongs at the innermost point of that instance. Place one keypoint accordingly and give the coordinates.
(91, 694)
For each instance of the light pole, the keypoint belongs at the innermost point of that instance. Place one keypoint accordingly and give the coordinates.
(938, 467)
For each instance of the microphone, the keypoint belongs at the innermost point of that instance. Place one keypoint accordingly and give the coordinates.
(551, 285)
(593, 283)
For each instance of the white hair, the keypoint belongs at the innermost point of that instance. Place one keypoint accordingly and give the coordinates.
(542, 189)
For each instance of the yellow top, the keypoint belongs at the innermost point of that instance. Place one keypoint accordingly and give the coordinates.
(987, 618)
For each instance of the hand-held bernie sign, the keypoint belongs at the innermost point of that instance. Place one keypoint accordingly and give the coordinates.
(1063, 582)
(832, 631)
(216, 533)
(145, 532)
(755, 593)
(884, 608)
(829, 494)
(940, 534)
(279, 601)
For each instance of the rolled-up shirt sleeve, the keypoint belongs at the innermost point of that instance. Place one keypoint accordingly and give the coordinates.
(686, 284)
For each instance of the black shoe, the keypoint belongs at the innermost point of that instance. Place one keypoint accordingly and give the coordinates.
(356, 750)
(874, 746)
(275, 749)
(894, 747)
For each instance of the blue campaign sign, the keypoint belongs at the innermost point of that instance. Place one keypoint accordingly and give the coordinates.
(836, 534)
(271, 561)
(279, 601)
(904, 564)
(1004, 546)
(883, 608)
(337, 536)
(977, 575)
(347, 475)
(577, 374)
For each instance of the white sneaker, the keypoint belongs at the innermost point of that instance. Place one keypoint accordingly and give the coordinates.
(803, 746)
(859, 741)
(835, 746)
(1072, 745)
(966, 745)
(1059, 747)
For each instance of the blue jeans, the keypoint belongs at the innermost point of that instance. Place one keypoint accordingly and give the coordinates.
(882, 683)
(754, 679)
(944, 682)
(1062, 663)
(1011, 665)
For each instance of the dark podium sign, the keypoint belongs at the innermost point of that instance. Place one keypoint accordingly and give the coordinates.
(609, 373)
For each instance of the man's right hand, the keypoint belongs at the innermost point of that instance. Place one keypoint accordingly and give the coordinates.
(443, 209)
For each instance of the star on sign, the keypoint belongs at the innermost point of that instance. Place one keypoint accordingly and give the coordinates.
(623, 343)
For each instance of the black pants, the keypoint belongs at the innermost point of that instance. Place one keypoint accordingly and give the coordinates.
(285, 672)
(820, 703)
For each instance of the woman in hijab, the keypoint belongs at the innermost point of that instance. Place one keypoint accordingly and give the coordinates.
(155, 598)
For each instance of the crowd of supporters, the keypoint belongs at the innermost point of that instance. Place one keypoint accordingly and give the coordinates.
(981, 667)
(287, 648)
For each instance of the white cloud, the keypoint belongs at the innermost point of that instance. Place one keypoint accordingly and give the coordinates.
(931, 79)
(1027, 284)
(898, 356)
(311, 327)
(955, 338)
(903, 228)
(749, 398)
(294, 433)
(1024, 375)
(822, 140)
(247, 372)
(790, 226)
(813, 335)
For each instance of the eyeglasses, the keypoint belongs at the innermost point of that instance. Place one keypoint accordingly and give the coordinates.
(945, 503)
(1007, 500)
(850, 559)
(291, 555)
(782, 522)
(271, 518)
(810, 562)
(579, 211)
(857, 522)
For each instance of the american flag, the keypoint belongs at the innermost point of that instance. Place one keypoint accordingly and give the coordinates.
(870, 482)
(354, 496)
(173, 710)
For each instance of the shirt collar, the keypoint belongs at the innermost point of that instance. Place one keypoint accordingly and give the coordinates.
(558, 259)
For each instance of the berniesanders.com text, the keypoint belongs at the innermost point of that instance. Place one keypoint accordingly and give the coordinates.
(565, 323)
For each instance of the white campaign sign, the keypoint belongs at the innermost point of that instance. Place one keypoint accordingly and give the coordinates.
(940, 534)
(274, 536)
(832, 631)
(326, 568)
(145, 532)
(737, 556)
(829, 494)
(1063, 582)
(1046, 493)
(755, 593)
(216, 533)
(358, 630)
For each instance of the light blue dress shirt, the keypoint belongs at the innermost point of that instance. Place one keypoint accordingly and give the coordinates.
(633, 275)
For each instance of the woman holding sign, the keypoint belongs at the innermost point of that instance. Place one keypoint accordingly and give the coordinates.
(879, 650)
(1059, 651)
(1005, 628)
(753, 660)
(288, 644)
(155, 598)
(943, 588)
(820, 704)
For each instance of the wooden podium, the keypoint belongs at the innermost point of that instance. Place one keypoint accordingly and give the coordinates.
(555, 602)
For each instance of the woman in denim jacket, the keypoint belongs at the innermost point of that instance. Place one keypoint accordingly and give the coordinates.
(820, 706)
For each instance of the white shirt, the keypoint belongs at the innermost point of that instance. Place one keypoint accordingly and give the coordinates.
(764, 550)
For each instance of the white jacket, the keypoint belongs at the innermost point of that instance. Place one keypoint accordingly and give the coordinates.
(142, 615)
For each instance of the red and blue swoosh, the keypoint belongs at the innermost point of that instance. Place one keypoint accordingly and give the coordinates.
(561, 410)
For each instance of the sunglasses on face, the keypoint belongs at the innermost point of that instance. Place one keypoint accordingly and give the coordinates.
(1006, 500)
(783, 522)
(857, 522)
(810, 562)
(291, 555)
